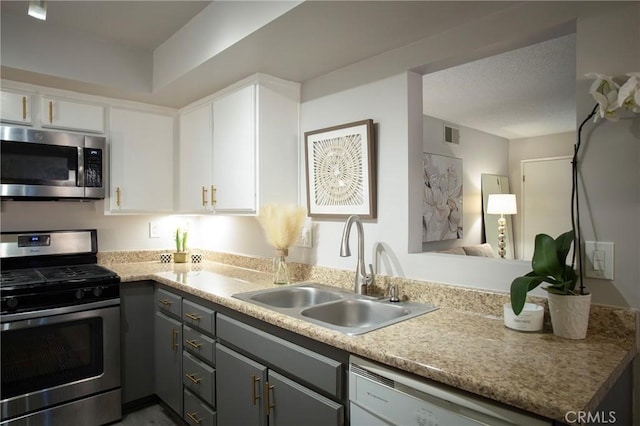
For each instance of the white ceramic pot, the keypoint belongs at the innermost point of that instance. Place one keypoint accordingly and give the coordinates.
(569, 315)
(530, 319)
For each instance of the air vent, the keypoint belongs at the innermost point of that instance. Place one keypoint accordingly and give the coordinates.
(452, 135)
(361, 371)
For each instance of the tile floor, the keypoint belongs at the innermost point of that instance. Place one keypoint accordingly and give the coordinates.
(154, 415)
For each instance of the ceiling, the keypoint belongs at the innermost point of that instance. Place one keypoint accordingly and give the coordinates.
(523, 93)
(505, 95)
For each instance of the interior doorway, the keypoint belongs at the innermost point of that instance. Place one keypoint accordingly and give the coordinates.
(546, 200)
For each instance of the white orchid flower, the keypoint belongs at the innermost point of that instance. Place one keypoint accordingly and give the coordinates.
(629, 93)
(605, 92)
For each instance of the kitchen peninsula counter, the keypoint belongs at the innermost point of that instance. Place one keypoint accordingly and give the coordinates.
(537, 372)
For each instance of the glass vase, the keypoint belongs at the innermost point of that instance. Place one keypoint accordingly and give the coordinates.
(281, 267)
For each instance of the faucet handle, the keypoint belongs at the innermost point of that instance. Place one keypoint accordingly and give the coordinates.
(370, 278)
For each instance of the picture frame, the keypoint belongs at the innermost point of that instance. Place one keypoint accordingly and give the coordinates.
(341, 171)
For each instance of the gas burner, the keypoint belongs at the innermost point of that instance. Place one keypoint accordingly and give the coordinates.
(20, 277)
(74, 273)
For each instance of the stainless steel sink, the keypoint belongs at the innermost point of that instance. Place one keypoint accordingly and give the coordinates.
(296, 297)
(356, 313)
(334, 308)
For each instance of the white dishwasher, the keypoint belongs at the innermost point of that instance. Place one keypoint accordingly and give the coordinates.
(379, 396)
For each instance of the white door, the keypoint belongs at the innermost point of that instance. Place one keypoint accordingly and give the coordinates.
(546, 199)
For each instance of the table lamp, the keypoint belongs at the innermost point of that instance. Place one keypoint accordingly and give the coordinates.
(502, 204)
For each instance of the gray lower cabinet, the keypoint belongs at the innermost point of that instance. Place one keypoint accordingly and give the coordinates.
(136, 310)
(168, 360)
(252, 393)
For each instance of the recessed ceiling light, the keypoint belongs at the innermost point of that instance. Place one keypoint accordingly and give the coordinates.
(38, 9)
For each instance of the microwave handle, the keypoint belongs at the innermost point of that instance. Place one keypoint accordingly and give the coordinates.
(80, 175)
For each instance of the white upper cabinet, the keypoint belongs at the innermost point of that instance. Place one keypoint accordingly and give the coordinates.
(248, 135)
(73, 115)
(234, 151)
(16, 107)
(196, 136)
(141, 160)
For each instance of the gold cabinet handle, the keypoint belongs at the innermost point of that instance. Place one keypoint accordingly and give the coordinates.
(51, 114)
(213, 195)
(24, 107)
(193, 317)
(193, 378)
(193, 344)
(174, 341)
(165, 302)
(118, 196)
(204, 196)
(268, 406)
(254, 393)
(194, 418)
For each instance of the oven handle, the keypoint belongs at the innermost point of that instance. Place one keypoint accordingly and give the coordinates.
(58, 311)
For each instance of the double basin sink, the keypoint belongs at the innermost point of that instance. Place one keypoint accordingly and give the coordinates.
(334, 308)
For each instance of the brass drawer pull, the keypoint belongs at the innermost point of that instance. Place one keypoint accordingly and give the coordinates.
(118, 196)
(193, 344)
(165, 302)
(268, 405)
(213, 195)
(174, 341)
(194, 418)
(254, 381)
(193, 378)
(24, 108)
(193, 317)
(50, 112)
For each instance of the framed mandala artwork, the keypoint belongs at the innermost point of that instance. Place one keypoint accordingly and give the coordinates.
(340, 168)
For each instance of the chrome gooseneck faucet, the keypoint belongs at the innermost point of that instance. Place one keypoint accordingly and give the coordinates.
(362, 278)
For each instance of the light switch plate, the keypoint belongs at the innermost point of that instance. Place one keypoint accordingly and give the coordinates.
(154, 229)
(306, 236)
(599, 260)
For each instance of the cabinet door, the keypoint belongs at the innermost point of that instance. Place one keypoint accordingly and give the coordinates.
(234, 151)
(15, 107)
(240, 385)
(67, 114)
(292, 404)
(196, 137)
(141, 161)
(168, 361)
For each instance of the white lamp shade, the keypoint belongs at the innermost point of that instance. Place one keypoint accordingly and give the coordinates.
(502, 204)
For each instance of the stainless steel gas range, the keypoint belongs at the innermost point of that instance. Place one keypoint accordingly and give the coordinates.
(60, 331)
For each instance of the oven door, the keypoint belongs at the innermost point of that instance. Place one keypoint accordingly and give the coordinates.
(54, 356)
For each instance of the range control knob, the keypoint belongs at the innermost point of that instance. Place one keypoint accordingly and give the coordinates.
(97, 291)
(79, 293)
(12, 302)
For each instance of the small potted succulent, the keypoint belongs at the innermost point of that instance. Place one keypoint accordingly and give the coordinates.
(181, 254)
(568, 307)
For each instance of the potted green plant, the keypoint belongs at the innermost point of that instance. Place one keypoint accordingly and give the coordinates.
(569, 309)
(180, 256)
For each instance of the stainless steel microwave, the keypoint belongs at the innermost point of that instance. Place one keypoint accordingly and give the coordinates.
(47, 165)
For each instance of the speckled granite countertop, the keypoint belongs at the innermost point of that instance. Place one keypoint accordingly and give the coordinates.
(537, 372)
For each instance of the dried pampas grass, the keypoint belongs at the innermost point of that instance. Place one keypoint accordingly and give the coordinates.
(281, 224)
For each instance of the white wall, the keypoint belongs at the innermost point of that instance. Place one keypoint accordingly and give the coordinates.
(610, 172)
(480, 153)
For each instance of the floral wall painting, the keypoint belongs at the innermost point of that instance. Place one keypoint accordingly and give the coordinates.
(442, 205)
(341, 171)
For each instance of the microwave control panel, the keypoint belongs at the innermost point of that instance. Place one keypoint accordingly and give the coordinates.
(93, 167)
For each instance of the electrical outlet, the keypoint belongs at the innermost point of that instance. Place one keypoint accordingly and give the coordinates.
(305, 239)
(154, 229)
(599, 260)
